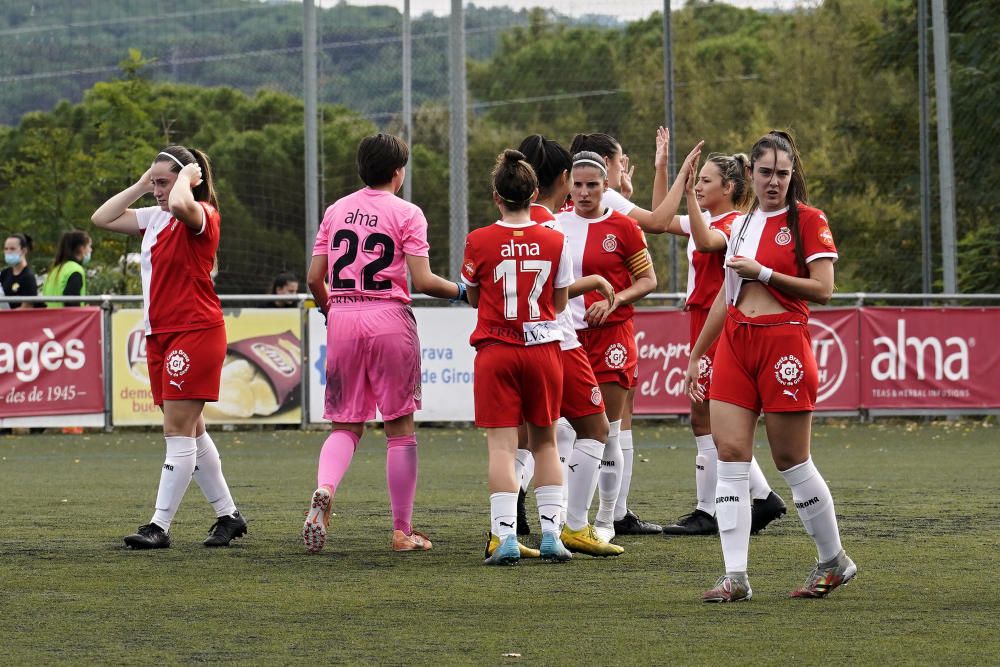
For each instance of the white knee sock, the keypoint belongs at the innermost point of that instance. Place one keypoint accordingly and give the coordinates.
(628, 457)
(522, 473)
(705, 464)
(565, 437)
(503, 513)
(815, 505)
(174, 478)
(584, 463)
(208, 475)
(549, 501)
(610, 479)
(759, 488)
(732, 509)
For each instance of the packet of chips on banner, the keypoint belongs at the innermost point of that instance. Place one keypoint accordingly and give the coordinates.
(260, 376)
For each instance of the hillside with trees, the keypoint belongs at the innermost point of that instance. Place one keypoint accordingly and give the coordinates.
(843, 77)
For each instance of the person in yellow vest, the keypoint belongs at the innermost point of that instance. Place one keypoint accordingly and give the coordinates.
(67, 276)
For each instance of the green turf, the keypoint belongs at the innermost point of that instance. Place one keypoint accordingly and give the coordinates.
(918, 505)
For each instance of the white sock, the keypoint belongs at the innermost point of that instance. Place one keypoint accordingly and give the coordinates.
(628, 457)
(549, 501)
(759, 488)
(503, 513)
(522, 457)
(208, 475)
(584, 463)
(815, 505)
(529, 472)
(610, 479)
(732, 509)
(565, 437)
(705, 464)
(174, 478)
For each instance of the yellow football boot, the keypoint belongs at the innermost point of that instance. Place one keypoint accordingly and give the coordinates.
(585, 541)
(526, 552)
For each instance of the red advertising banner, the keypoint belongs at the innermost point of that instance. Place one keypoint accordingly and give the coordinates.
(931, 358)
(51, 362)
(664, 349)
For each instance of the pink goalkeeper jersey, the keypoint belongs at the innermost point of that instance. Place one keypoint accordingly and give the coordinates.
(366, 237)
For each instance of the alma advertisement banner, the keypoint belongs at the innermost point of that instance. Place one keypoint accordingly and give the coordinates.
(446, 360)
(663, 339)
(929, 358)
(261, 375)
(51, 362)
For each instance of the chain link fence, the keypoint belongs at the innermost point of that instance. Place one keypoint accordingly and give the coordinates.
(92, 88)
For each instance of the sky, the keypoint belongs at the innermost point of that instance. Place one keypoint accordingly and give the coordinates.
(626, 10)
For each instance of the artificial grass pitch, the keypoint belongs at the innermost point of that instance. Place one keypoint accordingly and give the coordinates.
(917, 505)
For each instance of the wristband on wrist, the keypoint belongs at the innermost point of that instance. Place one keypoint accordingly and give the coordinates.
(765, 275)
(462, 294)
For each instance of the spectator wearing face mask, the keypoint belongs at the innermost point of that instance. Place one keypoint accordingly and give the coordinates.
(17, 278)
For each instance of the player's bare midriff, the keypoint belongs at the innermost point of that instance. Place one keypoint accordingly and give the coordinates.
(755, 300)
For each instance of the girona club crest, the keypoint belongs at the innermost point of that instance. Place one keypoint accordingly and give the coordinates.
(610, 243)
(595, 396)
(783, 237)
(177, 363)
(704, 368)
(789, 370)
(615, 356)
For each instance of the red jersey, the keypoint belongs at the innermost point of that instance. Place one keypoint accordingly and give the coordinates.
(540, 214)
(176, 266)
(766, 238)
(705, 268)
(611, 246)
(517, 268)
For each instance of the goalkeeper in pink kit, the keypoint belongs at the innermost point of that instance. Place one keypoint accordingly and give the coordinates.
(366, 245)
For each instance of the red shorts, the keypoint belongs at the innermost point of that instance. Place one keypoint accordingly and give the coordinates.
(515, 384)
(186, 365)
(581, 396)
(697, 318)
(766, 363)
(612, 353)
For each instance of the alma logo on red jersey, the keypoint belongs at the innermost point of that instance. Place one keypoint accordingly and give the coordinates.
(511, 249)
(610, 243)
(783, 237)
(595, 395)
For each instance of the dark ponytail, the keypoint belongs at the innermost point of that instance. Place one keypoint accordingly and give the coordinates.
(204, 191)
(778, 140)
(514, 180)
(24, 240)
(733, 170)
(603, 144)
(548, 158)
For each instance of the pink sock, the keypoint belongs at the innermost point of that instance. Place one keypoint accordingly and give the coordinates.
(401, 475)
(335, 458)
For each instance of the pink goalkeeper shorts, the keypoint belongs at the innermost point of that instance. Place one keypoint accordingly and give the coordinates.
(372, 359)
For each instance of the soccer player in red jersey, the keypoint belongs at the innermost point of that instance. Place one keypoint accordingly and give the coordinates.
(185, 334)
(582, 429)
(367, 245)
(518, 274)
(780, 256)
(605, 242)
(715, 197)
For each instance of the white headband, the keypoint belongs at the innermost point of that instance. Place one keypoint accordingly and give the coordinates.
(179, 163)
(604, 170)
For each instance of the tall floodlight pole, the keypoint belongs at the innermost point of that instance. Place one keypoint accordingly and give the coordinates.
(457, 156)
(668, 103)
(310, 97)
(408, 99)
(925, 150)
(946, 169)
